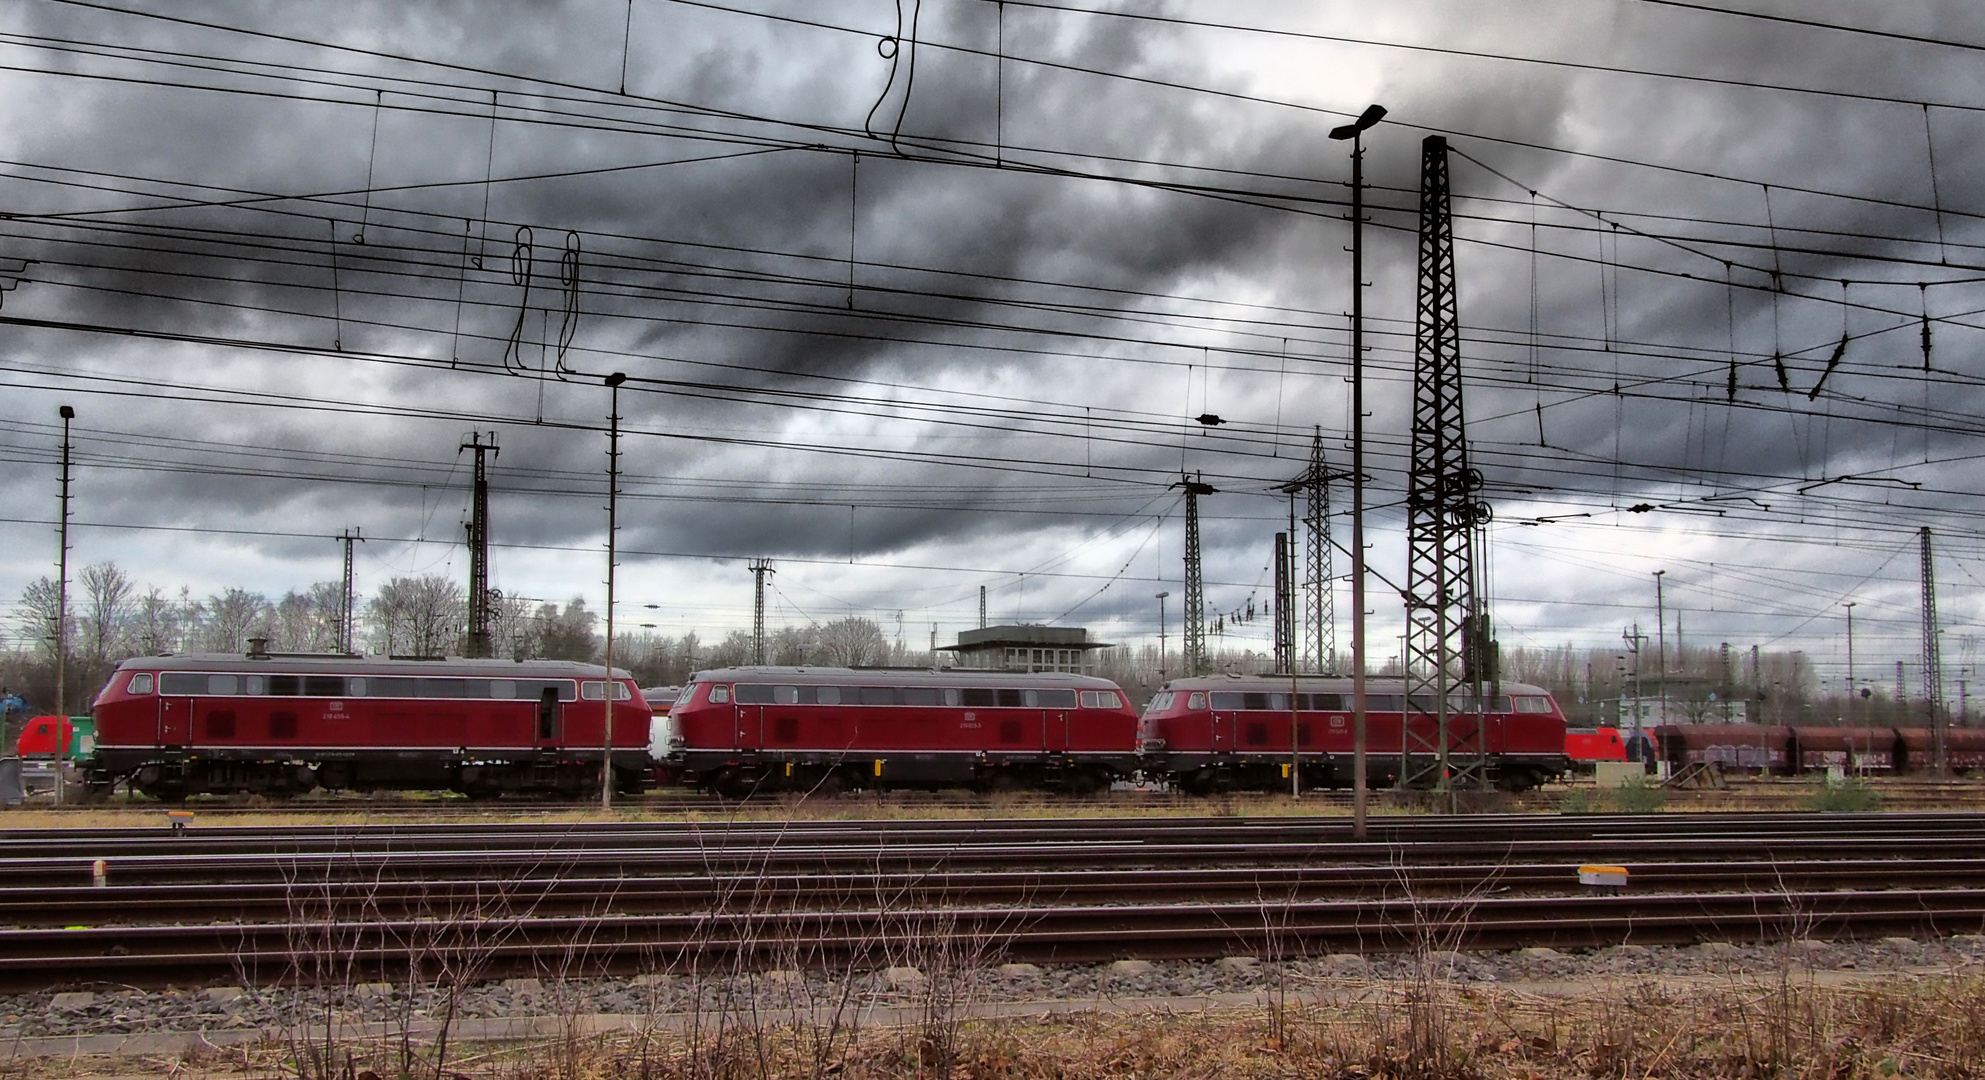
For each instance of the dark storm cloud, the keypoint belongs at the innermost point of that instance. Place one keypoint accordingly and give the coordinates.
(742, 264)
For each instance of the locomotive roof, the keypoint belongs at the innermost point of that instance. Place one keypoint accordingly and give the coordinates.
(841, 676)
(326, 663)
(1314, 683)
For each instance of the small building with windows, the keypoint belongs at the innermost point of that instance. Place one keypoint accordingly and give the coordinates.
(1025, 648)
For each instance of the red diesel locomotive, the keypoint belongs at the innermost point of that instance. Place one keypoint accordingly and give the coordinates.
(743, 730)
(173, 726)
(1225, 732)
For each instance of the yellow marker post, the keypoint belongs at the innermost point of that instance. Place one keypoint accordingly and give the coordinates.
(1605, 876)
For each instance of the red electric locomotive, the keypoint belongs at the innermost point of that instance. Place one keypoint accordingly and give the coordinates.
(744, 730)
(1225, 732)
(174, 726)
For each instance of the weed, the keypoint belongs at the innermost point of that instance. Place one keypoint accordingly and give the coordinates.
(1852, 796)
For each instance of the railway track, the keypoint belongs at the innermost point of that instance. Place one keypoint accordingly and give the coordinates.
(288, 904)
(1741, 793)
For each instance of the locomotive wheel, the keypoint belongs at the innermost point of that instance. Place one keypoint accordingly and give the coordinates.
(734, 784)
(831, 786)
(1005, 781)
(1084, 783)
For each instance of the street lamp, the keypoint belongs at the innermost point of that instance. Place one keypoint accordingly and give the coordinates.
(1355, 132)
(613, 382)
(1161, 635)
(62, 609)
(62, 589)
(1849, 605)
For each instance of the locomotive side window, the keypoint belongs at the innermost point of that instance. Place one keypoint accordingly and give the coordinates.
(222, 684)
(182, 683)
(827, 695)
(285, 685)
(1326, 702)
(1011, 699)
(355, 688)
(1385, 702)
(1030, 698)
(254, 685)
(444, 688)
(760, 694)
(395, 687)
(141, 683)
(591, 691)
(920, 695)
(721, 694)
(878, 695)
(502, 689)
(952, 696)
(976, 697)
(1196, 702)
(1062, 699)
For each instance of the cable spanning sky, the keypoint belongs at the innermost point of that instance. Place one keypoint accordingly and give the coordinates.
(919, 297)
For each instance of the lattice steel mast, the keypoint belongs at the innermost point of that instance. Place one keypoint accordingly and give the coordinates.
(759, 568)
(347, 598)
(1442, 515)
(478, 643)
(1933, 661)
(1195, 586)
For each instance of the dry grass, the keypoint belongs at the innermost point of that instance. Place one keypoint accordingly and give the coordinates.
(1928, 1026)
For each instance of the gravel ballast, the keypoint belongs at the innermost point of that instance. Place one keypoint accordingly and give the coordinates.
(112, 1010)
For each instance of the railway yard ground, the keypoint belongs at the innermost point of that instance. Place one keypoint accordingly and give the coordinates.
(1134, 934)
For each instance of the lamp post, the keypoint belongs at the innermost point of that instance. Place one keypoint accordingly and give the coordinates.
(62, 612)
(1161, 636)
(1355, 132)
(1661, 642)
(62, 573)
(1849, 605)
(613, 492)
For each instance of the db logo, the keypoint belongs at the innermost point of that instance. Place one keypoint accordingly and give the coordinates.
(1337, 721)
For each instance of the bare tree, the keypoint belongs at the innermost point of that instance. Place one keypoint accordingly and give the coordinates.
(851, 642)
(157, 623)
(235, 616)
(308, 621)
(40, 604)
(419, 616)
(107, 592)
(737, 648)
(566, 634)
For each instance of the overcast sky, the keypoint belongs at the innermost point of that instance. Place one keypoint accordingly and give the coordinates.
(914, 324)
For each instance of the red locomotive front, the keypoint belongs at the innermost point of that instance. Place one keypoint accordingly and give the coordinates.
(217, 723)
(1223, 732)
(742, 730)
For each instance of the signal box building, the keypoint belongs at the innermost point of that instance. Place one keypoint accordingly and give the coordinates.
(1025, 648)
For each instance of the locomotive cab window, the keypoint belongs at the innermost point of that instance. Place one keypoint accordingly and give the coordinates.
(1059, 699)
(1101, 699)
(1533, 705)
(1160, 703)
(140, 683)
(720, 695)
(1196, 702)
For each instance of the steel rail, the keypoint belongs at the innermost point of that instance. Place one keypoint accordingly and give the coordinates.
(42, 906)
(314, 951)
